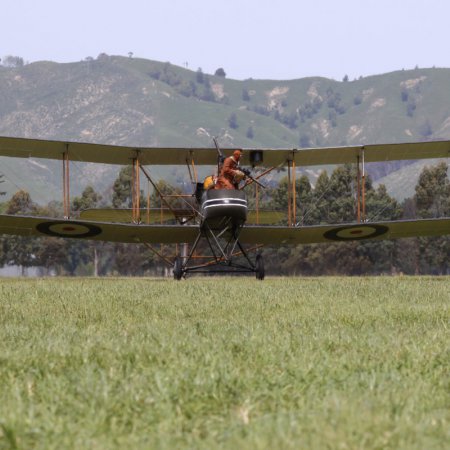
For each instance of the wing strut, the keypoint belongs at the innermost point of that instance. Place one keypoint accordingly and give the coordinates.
(136, 190)
(291, 192)
(358, 190)
(294, 189)
(361, 187)
(66, 182)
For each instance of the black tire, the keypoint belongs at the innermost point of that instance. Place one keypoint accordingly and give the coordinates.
(259, 268)
(178, 268)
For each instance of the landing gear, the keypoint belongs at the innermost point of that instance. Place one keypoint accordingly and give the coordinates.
(226, 254)
(259, 267)
(178, 268)
(223, 214)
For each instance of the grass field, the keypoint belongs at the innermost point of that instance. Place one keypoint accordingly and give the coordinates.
(327, 363)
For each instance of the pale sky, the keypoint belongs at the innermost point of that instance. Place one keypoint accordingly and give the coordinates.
(261, 39)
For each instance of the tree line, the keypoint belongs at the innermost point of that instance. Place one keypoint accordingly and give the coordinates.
(333, 201)
(330, 200)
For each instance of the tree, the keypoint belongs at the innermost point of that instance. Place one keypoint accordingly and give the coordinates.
(220, 72)
(245, 95)
(304, 198)
(289, 119)
(357, 100)
(166, 188)
(322, 196)
(187, 89)
(103, 57)
(21, 250)
(332, 117)
(21, 203)
(199, 77)
(432, 201)
(382, 255)
(13, 61)
(89, 199)
(2, 181)
(129, 259)
(250, 134)
(78, 252)
(207, 95)
(341, 195)
(433, 192)
(232, 121)
(52, 254)
(122, 192)
(333, 201)
(410, 107)
(379, 204)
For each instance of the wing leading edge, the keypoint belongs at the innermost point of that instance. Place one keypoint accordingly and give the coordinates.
(167, 234)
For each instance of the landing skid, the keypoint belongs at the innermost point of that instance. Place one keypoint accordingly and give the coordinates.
(227, 253)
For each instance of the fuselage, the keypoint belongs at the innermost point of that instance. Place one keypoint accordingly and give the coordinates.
(223, 205)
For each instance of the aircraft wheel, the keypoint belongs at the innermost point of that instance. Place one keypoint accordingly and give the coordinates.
(178, 268)
(259, 268)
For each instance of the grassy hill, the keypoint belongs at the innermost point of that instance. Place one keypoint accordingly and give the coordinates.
(120, 100)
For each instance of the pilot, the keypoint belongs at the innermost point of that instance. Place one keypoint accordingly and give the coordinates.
(230, 175)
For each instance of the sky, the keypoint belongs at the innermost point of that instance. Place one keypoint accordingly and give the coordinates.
(260, 39)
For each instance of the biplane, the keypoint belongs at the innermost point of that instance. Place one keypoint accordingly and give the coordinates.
(217, 222)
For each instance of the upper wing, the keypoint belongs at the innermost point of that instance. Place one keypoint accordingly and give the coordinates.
(107, 154)
(99, 231)
(373, 153)
(349, 232)
(113, 154)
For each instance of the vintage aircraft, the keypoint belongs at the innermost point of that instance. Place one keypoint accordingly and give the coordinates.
(214, 219)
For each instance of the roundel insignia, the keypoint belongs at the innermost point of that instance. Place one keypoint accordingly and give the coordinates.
(355, 232)
(69, 229)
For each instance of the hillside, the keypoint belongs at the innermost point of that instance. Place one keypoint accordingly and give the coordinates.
(120, 100)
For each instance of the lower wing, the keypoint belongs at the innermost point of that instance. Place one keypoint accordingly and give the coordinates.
(98, 231)
(166, 234)
(345, 232)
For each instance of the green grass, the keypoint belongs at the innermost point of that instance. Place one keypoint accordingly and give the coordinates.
(328, 363)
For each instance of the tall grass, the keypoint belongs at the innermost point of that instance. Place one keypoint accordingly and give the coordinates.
(225, 363)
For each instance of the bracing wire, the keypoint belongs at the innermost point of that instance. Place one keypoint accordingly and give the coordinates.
(308, 212)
